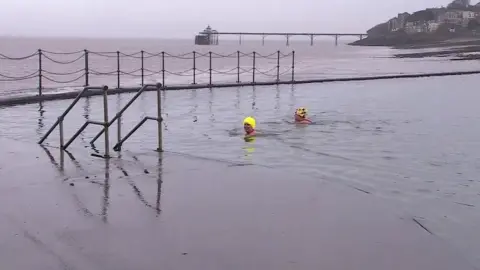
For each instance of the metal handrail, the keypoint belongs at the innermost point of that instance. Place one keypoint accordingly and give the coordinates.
(61, 118)
(120, 142)
(89, 122)
(105, 88)
(120, 113)
(106, 124)
(159, 120)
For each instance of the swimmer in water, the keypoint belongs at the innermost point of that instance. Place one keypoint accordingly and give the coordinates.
(249, 126)
(301, 116)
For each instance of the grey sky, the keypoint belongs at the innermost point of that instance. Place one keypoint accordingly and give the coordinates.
(183, 18)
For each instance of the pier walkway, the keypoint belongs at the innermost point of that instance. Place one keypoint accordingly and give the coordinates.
(287, 35)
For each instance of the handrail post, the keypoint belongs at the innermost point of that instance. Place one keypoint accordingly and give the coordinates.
(253, 69)
(141, 54)
(118, 69)
(293, 66)
(105, 119)
(163, 69)
(119, 129)
(159, 118)
(194, 66)
(62, 147)
(210, 67)
(238, 66)
(60, 122)
(278, 66)
(86, 67)
(139, 92)
(39, 72)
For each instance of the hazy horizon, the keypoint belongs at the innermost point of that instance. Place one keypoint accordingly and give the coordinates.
(182, 19)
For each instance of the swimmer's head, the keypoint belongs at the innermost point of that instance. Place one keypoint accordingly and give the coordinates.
(301, 112)
(249, 124)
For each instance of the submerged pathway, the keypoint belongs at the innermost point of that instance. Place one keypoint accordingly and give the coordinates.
(150, 211)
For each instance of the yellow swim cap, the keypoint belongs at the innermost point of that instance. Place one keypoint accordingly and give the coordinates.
(301, 112)
(249, 120)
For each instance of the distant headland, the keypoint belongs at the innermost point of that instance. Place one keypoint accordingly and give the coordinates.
(459, 22)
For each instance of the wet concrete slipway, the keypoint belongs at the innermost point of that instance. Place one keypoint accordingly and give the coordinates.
(168, 211)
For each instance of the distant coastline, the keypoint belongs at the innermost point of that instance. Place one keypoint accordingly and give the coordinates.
(456, 27)
(457, 48)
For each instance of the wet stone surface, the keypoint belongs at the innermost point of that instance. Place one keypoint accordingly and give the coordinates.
(169, 211)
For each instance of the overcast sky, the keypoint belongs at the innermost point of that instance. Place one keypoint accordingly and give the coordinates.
(183, 18)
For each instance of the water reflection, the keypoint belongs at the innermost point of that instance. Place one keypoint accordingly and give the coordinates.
(210, 107)
(159, 181)
(106, 191)
(254, 98)
(41, 119)
(57, 165)
(136, 190)
(86, 108)
(194, 101)
(238, 98)
(74, 161)
(86, 116)
(249, 148)
(293, 100)
(106, 181)
(94, 148)
(277, 100)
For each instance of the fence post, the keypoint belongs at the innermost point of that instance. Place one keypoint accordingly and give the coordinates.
(163, 69)
(39, 72)
(194, 66)
(118, 69)
(238, 66)
(142, 66)
(278, 66)
(253, 70)
(210, 65)
(293, 66)
(86, 67)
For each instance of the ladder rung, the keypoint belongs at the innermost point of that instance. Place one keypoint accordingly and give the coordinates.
(96, 123)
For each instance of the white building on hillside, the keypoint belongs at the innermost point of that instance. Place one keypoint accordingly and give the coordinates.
(467, 17)
(421, 27)
(451, 17)
(432, 26)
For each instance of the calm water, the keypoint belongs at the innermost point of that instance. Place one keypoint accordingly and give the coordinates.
(413, 142)
(65, 72)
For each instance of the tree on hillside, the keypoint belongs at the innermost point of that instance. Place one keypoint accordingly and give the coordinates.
(422, 15)
(459, 4)
(378, 30)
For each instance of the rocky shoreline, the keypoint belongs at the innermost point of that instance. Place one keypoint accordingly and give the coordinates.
(456, 54)
(458, 49)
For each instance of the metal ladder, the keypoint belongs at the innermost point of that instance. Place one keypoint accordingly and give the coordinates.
(118, 118)
(60, 120)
